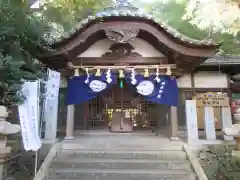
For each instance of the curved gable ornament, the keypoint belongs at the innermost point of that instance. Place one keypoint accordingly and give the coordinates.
(121, 34)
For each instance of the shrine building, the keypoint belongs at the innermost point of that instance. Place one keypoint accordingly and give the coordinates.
(125, 71)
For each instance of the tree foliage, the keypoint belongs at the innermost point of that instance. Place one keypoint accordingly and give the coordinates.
(21, 40)
(215, 15)
(172, 12)
(69, 12)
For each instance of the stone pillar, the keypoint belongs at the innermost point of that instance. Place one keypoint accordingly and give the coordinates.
(5, 129)
(4, 152)
(70, 122)
(173, 123)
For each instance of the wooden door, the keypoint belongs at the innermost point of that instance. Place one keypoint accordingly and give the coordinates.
(121, 117)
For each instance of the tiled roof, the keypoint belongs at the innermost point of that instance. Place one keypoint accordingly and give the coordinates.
(223, 60)
(124, 9)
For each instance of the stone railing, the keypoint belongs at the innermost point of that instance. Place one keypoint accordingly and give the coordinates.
(43, 171)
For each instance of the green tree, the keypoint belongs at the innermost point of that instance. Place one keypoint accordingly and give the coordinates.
(21, 41)
(172, 13)
(69, 12)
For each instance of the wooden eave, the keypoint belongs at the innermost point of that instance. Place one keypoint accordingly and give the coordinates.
(187, 54)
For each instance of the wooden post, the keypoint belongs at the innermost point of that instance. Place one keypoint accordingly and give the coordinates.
(70, 123)
(174, 123)
(209, 123)
(86, 114)
(238, 143)
(226, 120)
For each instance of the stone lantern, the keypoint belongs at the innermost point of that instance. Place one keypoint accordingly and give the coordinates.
(5, 129)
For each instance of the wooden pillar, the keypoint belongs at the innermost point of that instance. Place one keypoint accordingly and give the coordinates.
(238, 143)
(174, 123)
(86, 114)
(70, 122)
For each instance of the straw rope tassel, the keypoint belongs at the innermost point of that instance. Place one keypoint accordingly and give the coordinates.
(121, 74)
(98, 73)
(169, 71)
(76, 72)
(146, 73)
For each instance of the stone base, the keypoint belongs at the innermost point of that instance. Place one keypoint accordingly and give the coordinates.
(4, 152)
(50, 141)
(236, 153)
(69, 138)
(174, 138)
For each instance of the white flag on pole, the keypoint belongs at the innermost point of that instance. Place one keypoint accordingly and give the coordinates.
(33, 111)
(28, 115)
(51, 104)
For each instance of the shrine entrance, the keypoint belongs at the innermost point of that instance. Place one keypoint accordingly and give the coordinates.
(123, 110)
(122, 38)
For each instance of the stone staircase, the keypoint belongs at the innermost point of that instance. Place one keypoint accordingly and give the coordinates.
(120, 165)
(119, 157)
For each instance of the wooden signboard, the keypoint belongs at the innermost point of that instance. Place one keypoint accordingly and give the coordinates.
(211, 100)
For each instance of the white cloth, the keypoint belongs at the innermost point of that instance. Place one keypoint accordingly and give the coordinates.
(28, 115)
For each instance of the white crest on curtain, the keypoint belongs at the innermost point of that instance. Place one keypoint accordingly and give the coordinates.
(97, 85)
(161, 89)
(145, 88)
(133, 78)
(108, 76)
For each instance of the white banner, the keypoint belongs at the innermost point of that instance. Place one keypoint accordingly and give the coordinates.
(50, 115)
(33, 107)
(29, 118)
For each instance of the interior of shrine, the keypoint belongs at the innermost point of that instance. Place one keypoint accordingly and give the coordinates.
(142, 114)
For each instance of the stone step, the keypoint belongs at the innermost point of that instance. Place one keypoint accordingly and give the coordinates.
(135, 155)
(91, 163)
(109, 174)
(132, 145)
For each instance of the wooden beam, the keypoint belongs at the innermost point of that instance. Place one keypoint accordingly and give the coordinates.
(162, 66)
(138, 68)
(92, 61)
